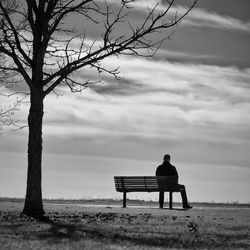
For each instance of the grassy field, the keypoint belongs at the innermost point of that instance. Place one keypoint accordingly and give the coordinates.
(108, 226)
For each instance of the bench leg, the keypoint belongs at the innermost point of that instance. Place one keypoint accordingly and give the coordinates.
(170, 200)
(124, 199)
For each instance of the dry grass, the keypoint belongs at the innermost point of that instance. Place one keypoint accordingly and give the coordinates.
(111, 227)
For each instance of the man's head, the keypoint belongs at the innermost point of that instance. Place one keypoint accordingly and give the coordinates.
(166, 158)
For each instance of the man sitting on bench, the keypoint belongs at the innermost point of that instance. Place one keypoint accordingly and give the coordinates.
(167, 169)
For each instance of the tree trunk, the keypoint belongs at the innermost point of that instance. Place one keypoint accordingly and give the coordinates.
(33, 201)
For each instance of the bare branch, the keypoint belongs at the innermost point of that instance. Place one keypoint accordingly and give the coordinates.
(14, 32)
(55, 52)
(133, 44)
(7, 113)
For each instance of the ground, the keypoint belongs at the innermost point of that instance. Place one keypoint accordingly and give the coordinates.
(92, 226)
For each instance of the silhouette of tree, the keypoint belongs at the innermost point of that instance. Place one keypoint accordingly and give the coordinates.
(43, 46)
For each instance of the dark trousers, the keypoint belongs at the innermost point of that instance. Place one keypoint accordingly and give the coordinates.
(183, 196)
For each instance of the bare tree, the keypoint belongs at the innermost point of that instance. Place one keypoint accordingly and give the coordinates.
(43, 48)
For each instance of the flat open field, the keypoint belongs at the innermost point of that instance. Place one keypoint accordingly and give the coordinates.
(88, 226)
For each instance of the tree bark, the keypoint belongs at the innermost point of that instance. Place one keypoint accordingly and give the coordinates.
(33, 201)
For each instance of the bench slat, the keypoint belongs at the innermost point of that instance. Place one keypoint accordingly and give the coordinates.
(146, 183)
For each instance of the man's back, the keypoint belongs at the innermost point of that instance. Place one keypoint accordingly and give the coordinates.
(166, 169)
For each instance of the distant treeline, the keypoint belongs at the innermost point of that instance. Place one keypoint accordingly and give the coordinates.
(132, 202)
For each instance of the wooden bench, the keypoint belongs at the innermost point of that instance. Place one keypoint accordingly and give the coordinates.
(127, 184)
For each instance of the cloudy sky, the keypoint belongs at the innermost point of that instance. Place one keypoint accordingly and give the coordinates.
(191, 100)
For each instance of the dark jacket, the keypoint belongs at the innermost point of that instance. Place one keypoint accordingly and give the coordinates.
(166, 169)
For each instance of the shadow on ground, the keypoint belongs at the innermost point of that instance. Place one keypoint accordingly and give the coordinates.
(118, 229)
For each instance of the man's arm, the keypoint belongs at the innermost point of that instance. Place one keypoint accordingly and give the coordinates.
(157, 172)
(176, 173)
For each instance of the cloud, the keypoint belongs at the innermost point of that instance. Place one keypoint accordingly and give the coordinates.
(196, 17)
(151, 99)
(193, 110)
(181, 55)
(203, 18)
(157, 100)
(111, 86)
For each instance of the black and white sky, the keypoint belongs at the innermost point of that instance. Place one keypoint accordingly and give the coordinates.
(191, 100)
